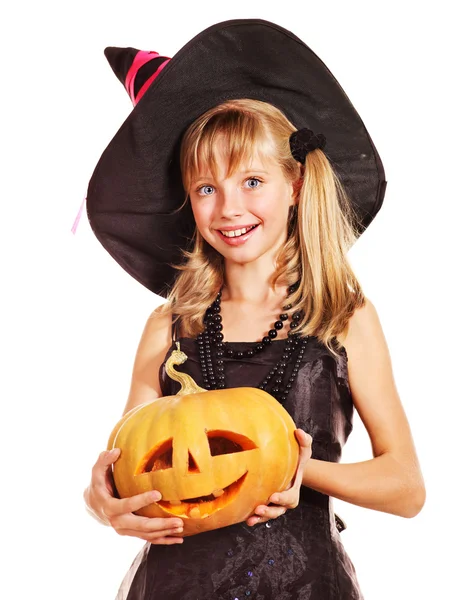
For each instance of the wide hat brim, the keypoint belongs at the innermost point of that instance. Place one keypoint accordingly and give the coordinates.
(137, 183)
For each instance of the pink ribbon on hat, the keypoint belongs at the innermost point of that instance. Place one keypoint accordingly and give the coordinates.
(78, 217)
(141, 58)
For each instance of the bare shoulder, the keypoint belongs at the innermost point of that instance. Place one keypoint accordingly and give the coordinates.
(160, 320)
(367, 349)
(154, 344)
(363, 327)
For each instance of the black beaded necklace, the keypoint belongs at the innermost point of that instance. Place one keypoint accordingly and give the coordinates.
(211, 346)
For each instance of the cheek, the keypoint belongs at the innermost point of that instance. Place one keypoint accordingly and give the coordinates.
(199, 214)
(203, 219)
(272, 211)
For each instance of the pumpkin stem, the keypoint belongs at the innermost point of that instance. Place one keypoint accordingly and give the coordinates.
(188, 385)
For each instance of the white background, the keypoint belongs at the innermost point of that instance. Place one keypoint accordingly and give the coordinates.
(72, 318)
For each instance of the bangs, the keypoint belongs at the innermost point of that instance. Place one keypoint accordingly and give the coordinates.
(238, 138)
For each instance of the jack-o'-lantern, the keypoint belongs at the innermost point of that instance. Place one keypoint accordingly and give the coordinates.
(213, 455)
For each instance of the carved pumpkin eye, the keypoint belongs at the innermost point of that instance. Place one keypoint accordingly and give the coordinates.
(228, 442)
(158, 458)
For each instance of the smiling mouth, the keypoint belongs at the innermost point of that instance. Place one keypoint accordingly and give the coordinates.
(204, 506)
(237, 240)
(249, 228)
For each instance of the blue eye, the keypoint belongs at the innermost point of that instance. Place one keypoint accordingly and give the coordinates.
(254, 179)
(205, 186)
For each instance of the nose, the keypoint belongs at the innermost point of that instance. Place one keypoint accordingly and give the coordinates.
(231, 204)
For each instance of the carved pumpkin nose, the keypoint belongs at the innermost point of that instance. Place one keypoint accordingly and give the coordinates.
(192, 465)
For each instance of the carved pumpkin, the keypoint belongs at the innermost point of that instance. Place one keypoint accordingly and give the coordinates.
(214, 455)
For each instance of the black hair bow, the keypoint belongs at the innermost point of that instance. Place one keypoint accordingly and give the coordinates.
(304, 141)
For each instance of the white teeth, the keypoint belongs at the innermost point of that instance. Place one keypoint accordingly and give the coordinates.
(237, 232)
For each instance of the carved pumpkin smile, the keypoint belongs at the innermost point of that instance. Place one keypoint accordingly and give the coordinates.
(204, 506)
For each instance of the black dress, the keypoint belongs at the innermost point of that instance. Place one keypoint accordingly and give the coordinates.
(296, 556)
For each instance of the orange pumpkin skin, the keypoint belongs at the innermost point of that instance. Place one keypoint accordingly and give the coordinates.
(213, 455)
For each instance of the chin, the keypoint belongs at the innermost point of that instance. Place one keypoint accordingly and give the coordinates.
(245, 257)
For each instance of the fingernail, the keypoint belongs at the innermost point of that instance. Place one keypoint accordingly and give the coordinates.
(156, 496)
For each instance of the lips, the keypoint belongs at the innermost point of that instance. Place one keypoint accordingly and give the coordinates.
(236, 241)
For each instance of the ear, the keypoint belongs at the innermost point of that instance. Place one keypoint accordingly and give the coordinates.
(297, 186)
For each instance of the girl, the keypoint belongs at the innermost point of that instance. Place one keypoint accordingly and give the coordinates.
(265, 298)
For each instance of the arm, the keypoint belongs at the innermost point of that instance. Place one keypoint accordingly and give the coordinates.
(99, 495)
(155, 341)
(392, 481)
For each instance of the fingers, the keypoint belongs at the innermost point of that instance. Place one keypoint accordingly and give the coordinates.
(165, 536)
(154, 530)
(166, 541)
(305, 450)
(169, 535)
(105, 459)
(304, 439)
(270, 512)
(117, 506)
(100, 470)
(289, 498)
(147, 525)
(265, 513)
(118, 512)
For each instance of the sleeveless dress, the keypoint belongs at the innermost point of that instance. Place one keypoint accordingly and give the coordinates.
(299, 555)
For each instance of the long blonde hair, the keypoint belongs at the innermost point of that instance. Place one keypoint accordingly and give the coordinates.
(321, 228)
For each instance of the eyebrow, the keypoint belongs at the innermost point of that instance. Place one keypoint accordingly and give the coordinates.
(242, 173)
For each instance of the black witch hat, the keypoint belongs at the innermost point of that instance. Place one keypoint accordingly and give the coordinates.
(137, 185)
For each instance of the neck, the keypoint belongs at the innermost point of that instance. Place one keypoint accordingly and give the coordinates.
(251, 283)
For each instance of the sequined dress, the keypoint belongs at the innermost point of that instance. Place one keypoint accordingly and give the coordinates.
(297, 556)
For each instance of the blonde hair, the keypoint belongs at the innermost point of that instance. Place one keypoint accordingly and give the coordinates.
(321, 228)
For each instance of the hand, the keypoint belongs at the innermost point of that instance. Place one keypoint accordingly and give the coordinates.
(289, 498)
(118, 513)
